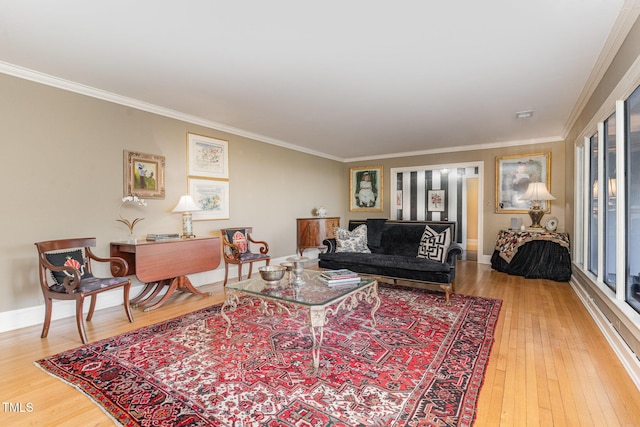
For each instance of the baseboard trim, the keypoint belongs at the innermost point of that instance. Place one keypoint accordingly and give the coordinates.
(624, 353)
(30, 316)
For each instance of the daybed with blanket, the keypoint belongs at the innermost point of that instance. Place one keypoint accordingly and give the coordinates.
(420, 251)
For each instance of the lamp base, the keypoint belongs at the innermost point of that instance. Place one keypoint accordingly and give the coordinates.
(187, 229)
(536, 214)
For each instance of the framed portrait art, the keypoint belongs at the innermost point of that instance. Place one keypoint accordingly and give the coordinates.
(212, 196)
(143, 175)
(365, 189)
(513, 175)
(207, 157)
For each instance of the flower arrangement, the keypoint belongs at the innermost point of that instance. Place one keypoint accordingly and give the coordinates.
(130, 224)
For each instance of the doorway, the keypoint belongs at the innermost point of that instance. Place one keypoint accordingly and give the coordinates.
(445, 192)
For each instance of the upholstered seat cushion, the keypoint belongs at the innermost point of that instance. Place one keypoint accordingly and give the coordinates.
(247, 256)
(411, 268)
(92, 283)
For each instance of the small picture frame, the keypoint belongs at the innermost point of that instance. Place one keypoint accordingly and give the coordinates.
(513, 175)
(436, 200)
(207, 157)
(212, 196)
(365, 189)
(144, 175)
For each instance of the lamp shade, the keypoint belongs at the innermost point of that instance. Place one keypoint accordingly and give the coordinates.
(186, 204)
(537, 191)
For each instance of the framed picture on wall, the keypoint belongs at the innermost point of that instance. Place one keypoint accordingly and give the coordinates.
(212, 196)
(207, 157)
(365, 189)
(143, 175)
(513, 175)
(435, 202)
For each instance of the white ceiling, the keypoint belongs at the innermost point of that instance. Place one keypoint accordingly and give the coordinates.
(343, 79)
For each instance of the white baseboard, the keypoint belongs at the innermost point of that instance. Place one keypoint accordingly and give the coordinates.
(628, 359)
(30, 316)
(484, 259)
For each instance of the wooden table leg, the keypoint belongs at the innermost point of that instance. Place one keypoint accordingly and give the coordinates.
(141, 295)
(178, 283)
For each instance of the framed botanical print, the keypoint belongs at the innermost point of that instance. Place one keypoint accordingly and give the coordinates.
(435, 202)
(365, 189)
(144, 175)
(212, 196)
(513, 175)
(207, 157)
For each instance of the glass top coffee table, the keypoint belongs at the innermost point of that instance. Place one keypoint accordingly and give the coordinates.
(314, 295)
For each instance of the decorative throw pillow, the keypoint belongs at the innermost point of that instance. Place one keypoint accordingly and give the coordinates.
(352, 241)
(71, 258)
(239, 237)
(434, 246)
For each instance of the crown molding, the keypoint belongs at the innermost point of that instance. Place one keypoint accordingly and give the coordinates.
(486, 146)
(81, 89)
(626, 19)
(46, 79)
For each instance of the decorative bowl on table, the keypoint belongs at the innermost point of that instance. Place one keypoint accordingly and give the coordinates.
(272, 274)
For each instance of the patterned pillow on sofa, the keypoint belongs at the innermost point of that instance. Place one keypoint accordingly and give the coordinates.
(352, 241)
(433, 245)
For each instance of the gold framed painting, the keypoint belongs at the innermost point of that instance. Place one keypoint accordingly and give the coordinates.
(144, 175)
(513, 175)
(365, 189)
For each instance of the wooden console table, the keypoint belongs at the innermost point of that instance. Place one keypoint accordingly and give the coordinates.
(533, 254)
(166, 263)
(312, 231)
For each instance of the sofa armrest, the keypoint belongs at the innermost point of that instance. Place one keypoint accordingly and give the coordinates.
(455, 251)
(330, 244)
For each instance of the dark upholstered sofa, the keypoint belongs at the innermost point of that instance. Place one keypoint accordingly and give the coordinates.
(394, 253)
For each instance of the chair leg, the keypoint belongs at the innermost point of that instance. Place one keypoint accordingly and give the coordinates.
(92, 307)
(240, 272)
(127, 308)
(226, 273)
(48, 304)
(250, 270)
(268, 261)
(79, 320)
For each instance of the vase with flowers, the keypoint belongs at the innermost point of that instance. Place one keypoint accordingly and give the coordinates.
(131, 224)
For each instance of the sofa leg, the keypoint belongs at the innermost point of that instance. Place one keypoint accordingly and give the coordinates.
(447, 292)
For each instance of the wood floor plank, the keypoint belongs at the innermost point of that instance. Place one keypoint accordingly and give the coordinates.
(549, 366)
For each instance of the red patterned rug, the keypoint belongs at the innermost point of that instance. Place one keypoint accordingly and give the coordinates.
(422, 365)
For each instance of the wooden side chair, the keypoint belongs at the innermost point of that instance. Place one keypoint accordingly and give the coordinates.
(65, 274)
(236, 249)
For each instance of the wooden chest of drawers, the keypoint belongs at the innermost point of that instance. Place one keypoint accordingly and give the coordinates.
(312, 231)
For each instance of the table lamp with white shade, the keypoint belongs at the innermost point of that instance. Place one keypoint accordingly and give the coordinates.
(186, 205)
(537, 192)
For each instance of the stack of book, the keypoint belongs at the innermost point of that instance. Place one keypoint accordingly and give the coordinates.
(157, 237)
(339, 277)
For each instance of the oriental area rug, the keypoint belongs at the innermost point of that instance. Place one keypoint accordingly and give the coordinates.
(422, 365)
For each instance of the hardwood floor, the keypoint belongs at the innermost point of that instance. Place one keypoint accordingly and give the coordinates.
(549, 366)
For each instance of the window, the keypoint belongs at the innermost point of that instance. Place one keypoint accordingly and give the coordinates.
(609, 273)
(632, 159)
(593, 199)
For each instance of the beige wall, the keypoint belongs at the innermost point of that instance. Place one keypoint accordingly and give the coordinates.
(493, 222)
(62, 156)
(63, 177)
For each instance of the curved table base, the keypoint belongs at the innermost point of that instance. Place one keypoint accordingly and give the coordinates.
(180, 283)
